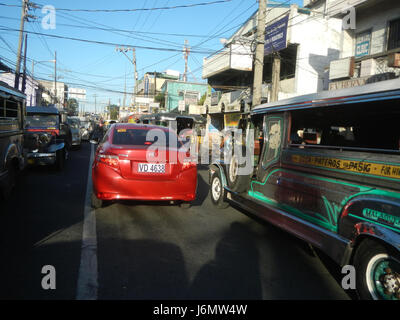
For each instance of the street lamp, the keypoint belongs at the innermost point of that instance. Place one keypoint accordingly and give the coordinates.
(33, 68)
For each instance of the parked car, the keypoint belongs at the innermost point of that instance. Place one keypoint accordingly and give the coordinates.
(12, 112)
(129, 166)
(46, 138)
(75, 126)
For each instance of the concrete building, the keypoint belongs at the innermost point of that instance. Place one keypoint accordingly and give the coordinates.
(49, 93)
(149, 87)
(33, 89)
(189, 93)
(306, 43)
(369, 44)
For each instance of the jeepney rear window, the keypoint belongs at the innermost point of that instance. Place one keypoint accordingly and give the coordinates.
(9, 115)
(369, 127)
(41, 121)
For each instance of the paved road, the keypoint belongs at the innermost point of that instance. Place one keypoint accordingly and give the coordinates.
(150, 251)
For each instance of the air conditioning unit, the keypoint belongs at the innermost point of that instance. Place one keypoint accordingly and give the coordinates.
(394, 60)
(368, 68)
(342, 68)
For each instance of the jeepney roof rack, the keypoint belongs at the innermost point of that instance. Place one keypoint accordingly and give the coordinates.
(384, 90)
(5, 87)
(42, 109)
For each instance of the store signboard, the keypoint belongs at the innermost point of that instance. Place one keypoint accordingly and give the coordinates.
(181, 105)
(232, 120)
(276, 36)
(363, 44)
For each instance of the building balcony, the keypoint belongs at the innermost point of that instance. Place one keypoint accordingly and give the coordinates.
(235, 57)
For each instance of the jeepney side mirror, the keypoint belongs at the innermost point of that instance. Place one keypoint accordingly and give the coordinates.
(63, 129)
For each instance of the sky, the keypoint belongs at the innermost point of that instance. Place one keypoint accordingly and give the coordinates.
(157, 34)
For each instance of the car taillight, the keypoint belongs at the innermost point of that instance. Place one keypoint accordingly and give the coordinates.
(109, 160)
(188, 164)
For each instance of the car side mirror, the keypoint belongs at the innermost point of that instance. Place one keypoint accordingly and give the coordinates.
(94, 141)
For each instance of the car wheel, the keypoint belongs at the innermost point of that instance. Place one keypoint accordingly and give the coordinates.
(377, 272)
(217, 191)
(96, 203)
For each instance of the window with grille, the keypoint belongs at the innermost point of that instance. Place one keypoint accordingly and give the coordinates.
(9, 116)
(394, 34)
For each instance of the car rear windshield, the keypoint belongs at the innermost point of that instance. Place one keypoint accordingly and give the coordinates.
(144, 137)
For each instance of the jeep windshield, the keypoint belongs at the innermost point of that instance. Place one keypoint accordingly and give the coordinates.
(41, 120)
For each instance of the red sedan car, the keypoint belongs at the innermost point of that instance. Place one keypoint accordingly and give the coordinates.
(142, 162)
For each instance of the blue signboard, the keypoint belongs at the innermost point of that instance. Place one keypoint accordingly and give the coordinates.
(363, 43)
(276, 36)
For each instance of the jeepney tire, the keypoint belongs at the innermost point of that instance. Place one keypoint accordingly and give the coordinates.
(367, 252)
(236, 182)
(60, 159)
(217, 192)
(95, 202)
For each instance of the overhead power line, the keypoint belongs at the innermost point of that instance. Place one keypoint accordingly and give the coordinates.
(4, 28)
(129, 10)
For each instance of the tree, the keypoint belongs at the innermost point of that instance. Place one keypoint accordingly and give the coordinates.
(202, 99)
(114, 111)
(72, 107)
(161, 99)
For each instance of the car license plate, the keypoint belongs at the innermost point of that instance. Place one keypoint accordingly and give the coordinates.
(151, 168)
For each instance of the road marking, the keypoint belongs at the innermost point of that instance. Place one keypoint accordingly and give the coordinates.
(87, 279)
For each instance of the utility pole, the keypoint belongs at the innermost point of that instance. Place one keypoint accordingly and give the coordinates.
(21, 33)
(55, 77)
(155, 84)
(259, 54)
(124, 50)
(186, 51)
(24, 76)
(124, 92)
(95, 103)
(276, 71)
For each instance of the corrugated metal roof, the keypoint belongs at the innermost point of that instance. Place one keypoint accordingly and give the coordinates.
(383, 90)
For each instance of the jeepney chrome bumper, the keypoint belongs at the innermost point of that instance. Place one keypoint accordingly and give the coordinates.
(41, 158)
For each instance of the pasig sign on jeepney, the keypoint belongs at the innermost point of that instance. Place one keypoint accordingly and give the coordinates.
(276, 36)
